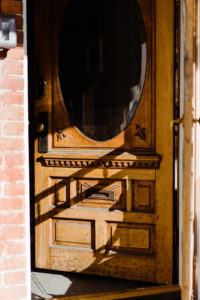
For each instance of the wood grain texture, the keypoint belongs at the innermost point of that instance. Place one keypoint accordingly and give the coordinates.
(164, 137)
(143, 195)
(105, 264)
(139, 238)
(188, 154)
(61, 190)
(11, 7)
(72, 233)
(141, 249)
(166, 292)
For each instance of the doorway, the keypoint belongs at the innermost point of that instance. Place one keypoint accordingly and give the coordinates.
(104, 185)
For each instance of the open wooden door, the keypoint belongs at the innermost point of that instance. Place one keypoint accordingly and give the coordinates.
(103, 74)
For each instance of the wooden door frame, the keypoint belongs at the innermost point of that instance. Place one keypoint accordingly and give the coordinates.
(189, 150)
(196, 284)
(183, 213)
(184, 234)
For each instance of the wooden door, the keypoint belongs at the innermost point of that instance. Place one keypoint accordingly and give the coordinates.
(103, 196)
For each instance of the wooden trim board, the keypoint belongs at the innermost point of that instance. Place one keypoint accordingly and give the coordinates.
(125, 294)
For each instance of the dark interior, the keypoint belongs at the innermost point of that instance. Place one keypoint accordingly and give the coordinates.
(102, 61)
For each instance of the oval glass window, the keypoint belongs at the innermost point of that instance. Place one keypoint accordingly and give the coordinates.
(102, 63)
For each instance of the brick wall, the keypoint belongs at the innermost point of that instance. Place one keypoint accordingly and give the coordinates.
(13, 259)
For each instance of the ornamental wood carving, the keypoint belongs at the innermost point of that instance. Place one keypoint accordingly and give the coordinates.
(141, 163)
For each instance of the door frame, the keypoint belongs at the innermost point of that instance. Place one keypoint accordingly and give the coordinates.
(183, 216)
(189, 159)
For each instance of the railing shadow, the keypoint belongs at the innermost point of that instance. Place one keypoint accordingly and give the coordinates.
(99, 253)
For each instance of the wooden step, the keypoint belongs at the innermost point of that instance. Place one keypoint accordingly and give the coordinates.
(172, 292)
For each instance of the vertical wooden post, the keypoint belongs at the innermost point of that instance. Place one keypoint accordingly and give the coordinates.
(188, 165)
(196, 285)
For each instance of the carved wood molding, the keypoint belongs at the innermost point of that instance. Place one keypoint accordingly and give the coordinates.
(150, 162)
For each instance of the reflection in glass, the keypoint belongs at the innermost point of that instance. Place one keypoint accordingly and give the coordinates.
(102, 63)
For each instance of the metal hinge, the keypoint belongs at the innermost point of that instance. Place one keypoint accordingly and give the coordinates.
(176, 122)
(181, 121)
(196, 120)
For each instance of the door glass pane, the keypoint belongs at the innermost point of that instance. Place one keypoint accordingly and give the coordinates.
(102, 64)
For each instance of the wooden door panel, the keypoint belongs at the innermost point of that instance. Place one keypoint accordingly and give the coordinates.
(137, 238)
(73, 261)
(106, 207)
(74, 233)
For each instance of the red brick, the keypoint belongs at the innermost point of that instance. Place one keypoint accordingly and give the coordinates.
(13, 128)
(13, 218)
(11, 113)
(15, 248)
(13, 292)
(13, 203)
(14, 278)
(14, 159)
(12, 98)
(11, 174)
(11, 233)
(11, 7)
(12, 263)
(11, 144)
(14, 189)
(12, 67)
(11, 82)
(16, 53)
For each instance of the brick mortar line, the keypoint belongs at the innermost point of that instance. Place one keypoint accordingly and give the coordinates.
(17, 240)
(12, 211)
(11, 121)
(14, 271)
(2, 91)
(14, 285)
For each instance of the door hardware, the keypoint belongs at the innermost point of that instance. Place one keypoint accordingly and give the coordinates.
(176, 122)
(196, 120)
(40, 127)
(181, 121)
(8, 35)
(42, 130)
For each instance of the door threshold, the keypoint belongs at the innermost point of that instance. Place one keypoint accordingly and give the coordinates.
(155, 293)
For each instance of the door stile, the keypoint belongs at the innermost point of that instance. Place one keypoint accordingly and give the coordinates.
(164, 136)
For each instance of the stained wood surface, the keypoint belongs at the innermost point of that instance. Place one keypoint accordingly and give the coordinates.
(131, 294)
(121, 225)
(188, 153)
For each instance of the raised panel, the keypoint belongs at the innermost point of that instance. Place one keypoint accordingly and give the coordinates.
(131, 237)
(76, 233)
(60, 191)
(143, 195)
(101, 193)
